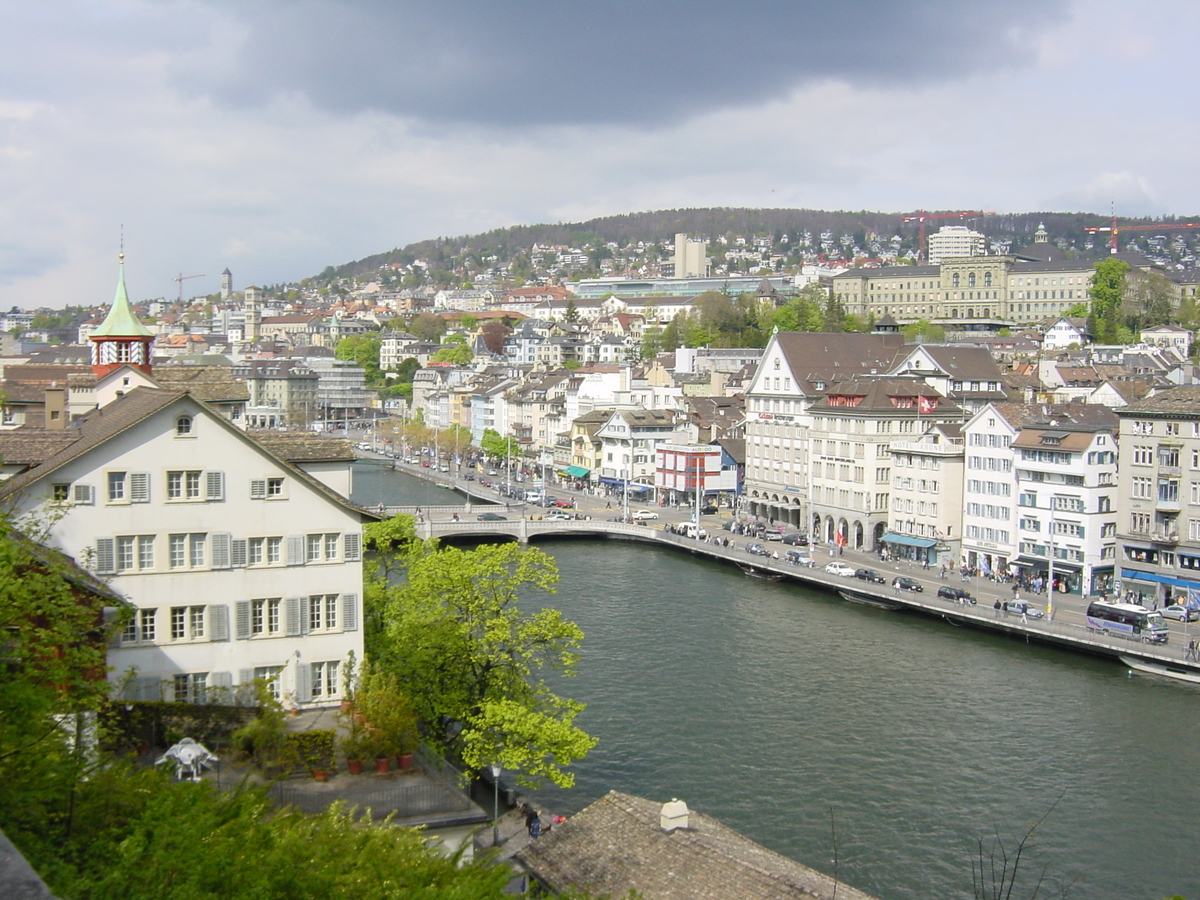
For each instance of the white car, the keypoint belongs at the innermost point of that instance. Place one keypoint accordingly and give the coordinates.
(642, 515)
(560, 517)
(840, 568)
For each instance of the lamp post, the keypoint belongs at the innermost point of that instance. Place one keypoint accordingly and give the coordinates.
(495, 805)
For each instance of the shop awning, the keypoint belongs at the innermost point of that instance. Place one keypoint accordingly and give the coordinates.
(1135, 575)
(636, 488)
(1032, 562)
(577, 471)
(908, 540)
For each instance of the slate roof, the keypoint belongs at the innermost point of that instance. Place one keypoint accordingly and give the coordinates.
(1176, 401)
(213, 384)
(814, 356)
(304, 446)
(32, 446)
(617, 845)
(103, 424)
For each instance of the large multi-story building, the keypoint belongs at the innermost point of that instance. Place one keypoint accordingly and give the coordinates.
(239, 565)
(1158, 500)
(953, 242)
(796, 370)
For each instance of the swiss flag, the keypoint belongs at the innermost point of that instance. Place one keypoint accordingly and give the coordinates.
(925, 404)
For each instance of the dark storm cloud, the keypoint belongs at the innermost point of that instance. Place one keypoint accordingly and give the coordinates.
(541, 62)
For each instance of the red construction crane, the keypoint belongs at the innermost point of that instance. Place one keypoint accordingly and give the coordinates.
(1114, 229)
(920, 216)
(181, 278)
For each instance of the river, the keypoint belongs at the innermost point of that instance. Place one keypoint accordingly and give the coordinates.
(806, 723)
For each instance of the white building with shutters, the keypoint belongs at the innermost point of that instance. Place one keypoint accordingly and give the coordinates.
(240, 565)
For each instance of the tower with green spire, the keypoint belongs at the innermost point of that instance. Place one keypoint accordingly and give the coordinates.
(121, 339)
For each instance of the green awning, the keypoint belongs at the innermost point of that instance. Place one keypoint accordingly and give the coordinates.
(891, 538)
(577, 471)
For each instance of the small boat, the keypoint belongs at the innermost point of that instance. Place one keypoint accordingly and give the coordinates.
(755, 572)
(871, 600)
(1165, 669)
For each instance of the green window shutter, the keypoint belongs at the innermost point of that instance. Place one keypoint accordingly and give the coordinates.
(243, 620)
(221, 550)
(139, 487)
(214, 485)
(106, 557)
(349, 612)
(218, 622)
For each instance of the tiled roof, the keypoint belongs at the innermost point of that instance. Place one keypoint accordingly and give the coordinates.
(814, 356)
(1176, 401)
(304, 446)
(617, 845)
(32, 446)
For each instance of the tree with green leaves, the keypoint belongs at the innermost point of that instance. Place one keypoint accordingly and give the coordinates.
(925, 330)
(571, 313)
(1107, 292)
(473, 663)
(498, 447)
(363, 350)
(455, 352)
(427, 326)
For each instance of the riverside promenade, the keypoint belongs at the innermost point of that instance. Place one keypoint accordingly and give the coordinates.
(1063, 626)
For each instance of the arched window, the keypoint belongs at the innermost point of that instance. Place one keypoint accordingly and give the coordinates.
(971, 280)
(183, 425)
(954, 280)
(954, 313)
(987, 279)
(987, 312)
(970, 313)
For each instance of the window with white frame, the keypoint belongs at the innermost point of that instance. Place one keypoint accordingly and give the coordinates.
(274, 550)
(322, 612)
(271, 676)
(265, 616)
(324, 679)
(116, 487)
(191, 688)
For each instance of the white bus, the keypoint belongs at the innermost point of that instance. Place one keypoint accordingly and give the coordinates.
(1127, 620)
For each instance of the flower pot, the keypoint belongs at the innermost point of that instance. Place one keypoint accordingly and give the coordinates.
(347, 705)
(404, 761)
(383, 766)
(354, 766)
(320, 775)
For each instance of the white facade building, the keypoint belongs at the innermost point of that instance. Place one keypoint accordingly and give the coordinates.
(955, 241)
(240, 565)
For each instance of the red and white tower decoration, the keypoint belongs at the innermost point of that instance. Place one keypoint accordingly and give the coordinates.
(121, 339)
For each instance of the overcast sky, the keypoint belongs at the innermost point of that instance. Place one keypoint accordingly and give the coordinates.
(276, 137)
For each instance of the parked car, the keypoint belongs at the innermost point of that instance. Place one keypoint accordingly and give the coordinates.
(1020, 607)
(643, 515)
(1180, 613)
(904, 583)
(796, 540)
(491, 517)
(955, 594)
(840, 568)
(754, 548)
(870, 575)
(799, 558)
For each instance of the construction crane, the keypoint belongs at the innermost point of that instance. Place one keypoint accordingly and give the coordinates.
(920, 216)
(1114, 229)
(181, 278)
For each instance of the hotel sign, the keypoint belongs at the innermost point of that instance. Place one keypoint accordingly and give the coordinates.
(775, 417)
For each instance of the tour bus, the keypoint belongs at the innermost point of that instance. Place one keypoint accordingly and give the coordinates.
(1127, 620)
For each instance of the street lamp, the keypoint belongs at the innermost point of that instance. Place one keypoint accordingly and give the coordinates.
(495, 805)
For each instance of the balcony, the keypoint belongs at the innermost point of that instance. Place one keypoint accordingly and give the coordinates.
(1165, 537)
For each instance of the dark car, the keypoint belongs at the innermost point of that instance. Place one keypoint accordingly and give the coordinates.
(756, 549)
(956, 594)
(709, 510)
(796, 540)
(904, 583)
(491, 517)
(870, 575)
(469, 477)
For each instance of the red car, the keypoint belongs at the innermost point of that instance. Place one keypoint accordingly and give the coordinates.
(564, 503)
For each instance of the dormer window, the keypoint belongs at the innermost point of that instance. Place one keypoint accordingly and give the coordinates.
(183, 426)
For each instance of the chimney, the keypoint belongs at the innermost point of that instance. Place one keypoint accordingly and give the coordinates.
(56, 408)
(674, 815)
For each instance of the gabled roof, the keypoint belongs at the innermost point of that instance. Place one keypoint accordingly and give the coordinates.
(816, 356)
(958, 362)
(618, 845)
(127, 411)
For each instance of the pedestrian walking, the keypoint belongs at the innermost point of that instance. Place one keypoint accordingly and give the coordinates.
(1024, 616)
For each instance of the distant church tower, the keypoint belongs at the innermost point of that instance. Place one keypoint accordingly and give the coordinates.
(120, 340)
(226, 285)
